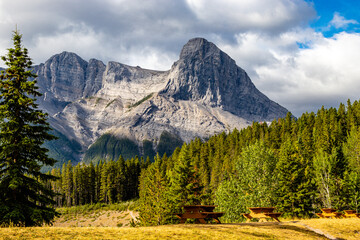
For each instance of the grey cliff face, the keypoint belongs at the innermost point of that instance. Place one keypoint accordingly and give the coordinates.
(93, 75)
(65, 78)
(203, 93)
(204, 73)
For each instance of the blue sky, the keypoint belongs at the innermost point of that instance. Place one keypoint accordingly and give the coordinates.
(348, 9)
(303, 54)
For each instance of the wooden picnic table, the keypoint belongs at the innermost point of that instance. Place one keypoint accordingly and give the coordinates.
(199, 213)
(329, 213)
(351, 214)
(262, 213)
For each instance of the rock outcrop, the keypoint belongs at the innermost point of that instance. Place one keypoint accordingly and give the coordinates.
(206, 74)
(203, 93)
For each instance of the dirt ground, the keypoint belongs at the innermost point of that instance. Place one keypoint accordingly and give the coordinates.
(96, 219)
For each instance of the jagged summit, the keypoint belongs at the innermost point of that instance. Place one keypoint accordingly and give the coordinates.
(206, 74)
(203, 93)
(67, 55)
(199, 47)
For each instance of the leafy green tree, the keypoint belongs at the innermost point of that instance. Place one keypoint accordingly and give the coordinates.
(24, 199)
(252, 185)
(324, 165)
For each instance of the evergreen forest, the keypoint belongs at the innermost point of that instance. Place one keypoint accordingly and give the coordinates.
(296, 165)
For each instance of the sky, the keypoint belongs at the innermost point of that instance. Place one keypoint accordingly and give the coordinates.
(303, 54)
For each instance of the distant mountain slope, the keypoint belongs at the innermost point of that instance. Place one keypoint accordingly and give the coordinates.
(203, 93)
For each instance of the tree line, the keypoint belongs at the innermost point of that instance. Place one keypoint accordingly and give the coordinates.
(106, 182)
(297, 165)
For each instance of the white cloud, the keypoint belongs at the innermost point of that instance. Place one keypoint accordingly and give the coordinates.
(79, 40)
(264, 15)
(88, 44)
(159, 24)
(325, 74)
(339, 21)
(263, 36)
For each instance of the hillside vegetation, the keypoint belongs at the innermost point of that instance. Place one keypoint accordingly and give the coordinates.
(110, 147)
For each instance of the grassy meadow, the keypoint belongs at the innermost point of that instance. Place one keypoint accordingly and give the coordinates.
(302, 229)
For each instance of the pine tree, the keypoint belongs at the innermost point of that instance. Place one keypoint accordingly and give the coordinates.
(351, 181)
(154, 207)
(110, 182)
(67, 183)
(57, 186)
(295, 188)
(185, 188)
(91, 181)
(24, 199)
(350, 198)
(120, 179)
(103, 183)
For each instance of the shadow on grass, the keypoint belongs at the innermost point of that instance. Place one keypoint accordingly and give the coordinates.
(266, 225)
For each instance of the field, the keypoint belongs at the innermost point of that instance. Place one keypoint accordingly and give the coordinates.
(302, 229)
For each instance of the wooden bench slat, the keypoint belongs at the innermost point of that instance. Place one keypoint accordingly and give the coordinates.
(262, 216)
(273, 214)
(199, 213)
(330, 213)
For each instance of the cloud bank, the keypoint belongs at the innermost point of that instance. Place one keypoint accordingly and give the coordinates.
(271, 39)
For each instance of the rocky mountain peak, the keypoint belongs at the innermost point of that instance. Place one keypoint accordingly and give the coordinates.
(198, 47)
(66, 77)
(55, 76)
(66, 57)
(207, 75)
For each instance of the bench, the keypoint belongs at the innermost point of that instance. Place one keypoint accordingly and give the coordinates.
(262, 213)
(199, 213)
(351, 214)
(329, 213)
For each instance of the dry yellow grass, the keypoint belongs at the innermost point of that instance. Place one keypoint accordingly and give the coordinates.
(189, 231)
(348, 228)
(303, 229)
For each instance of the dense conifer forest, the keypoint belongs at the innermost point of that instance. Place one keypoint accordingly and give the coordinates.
(297, 165)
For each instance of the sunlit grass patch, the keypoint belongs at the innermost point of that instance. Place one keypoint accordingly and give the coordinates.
(348, 228)
(296, 230)
(187, 231)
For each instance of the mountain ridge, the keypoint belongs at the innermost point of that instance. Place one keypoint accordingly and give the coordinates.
(202, 94)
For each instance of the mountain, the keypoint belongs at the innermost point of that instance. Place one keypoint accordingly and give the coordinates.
(101, 111)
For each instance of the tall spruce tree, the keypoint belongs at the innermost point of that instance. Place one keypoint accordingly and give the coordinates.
(24, 198)
(184, 182)
(154, 208)
(294, 192)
